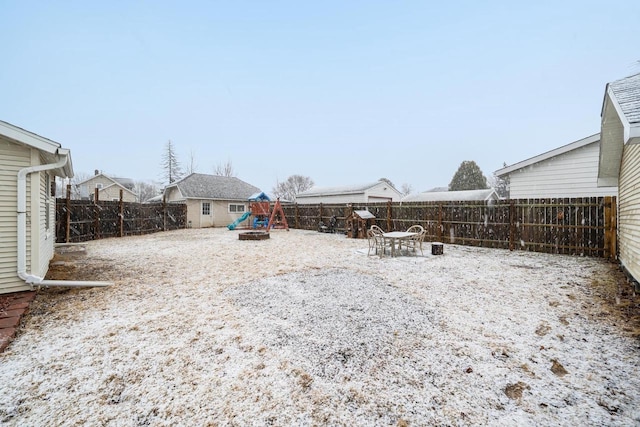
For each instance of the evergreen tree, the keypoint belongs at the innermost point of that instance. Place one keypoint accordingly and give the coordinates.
(171, 170)
(468, 177)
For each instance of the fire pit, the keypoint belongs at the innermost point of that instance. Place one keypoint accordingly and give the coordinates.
(253, 235)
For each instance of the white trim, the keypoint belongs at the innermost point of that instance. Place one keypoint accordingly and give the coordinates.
(29, 138)
(549, 154)
(623, 119)
(608, 182)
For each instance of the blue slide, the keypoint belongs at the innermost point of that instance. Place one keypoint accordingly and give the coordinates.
(235, 223)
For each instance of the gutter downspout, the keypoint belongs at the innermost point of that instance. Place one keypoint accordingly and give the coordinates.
(31, 279)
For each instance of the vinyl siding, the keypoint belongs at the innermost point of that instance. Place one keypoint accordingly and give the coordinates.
(113, 193)
(194, 213)
(382, 193)
(219, 208)
(110, 190)
(629, 210)
(13, 157)
(46, 235)
(335, 199)
(572, 174)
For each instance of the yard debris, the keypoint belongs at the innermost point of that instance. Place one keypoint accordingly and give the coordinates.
(558, 369)
(514, 391)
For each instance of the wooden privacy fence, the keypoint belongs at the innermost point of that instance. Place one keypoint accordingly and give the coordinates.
(577, 226)
(82, 220)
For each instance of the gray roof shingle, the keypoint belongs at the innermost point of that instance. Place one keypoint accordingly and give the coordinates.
(201, 186)
(627, 93)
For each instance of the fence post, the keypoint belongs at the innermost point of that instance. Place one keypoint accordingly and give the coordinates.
(610, 228)
(121, 209)
(96, 210)
(296, 215)
(320, 219)
(67, 227)
(440, 222)
(389, 222)
(512, 224)
(164, 212)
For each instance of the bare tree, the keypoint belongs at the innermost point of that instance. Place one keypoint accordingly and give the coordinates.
(146, 190)
(78, 177)
(224, 169)
(171, 170)
(406, 189)
(193, 165)
(293, 186)
(501, 185)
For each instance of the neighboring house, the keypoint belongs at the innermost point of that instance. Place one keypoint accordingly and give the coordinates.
(108, 188)
(453, 196)
(620, 164)
(29, 164)
(379, 191)
(567, 171)
(212, 201)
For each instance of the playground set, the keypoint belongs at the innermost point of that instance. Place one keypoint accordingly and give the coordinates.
(265, 217)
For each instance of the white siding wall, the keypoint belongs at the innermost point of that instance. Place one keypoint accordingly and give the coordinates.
(13, 157)
(45, 245)
(194, 211)
(337, 199)
(573, 174)
(112, 192)
(382, 193)
(629, 210)
(222, 217)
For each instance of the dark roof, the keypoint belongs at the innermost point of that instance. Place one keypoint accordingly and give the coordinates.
(627, 93)
(125, 182)
(201, 186)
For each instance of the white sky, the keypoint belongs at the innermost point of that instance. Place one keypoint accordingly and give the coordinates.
(342, 93)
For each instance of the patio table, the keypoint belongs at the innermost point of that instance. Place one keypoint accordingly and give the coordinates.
(397, 237)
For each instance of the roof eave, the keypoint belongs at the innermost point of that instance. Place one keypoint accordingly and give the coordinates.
(29, 138)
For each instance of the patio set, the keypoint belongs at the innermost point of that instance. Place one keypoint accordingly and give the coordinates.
(397, 243)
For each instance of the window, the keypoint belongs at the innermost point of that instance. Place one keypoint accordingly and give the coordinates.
(206, 208)
(99, 186)
(233, 208)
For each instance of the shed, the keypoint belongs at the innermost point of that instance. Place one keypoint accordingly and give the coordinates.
(358, 223)
(372, 192)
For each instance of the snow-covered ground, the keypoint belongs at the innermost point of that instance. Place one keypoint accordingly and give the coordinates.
(201, 328)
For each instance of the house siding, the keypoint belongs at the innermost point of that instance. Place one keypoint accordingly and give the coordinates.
(113, 193)
(572, 174)
(109, 191)
(13, 157)
(629, 210)
(46, 228)
(221, 215)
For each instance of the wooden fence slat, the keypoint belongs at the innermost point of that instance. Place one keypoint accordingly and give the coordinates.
(577, 226)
